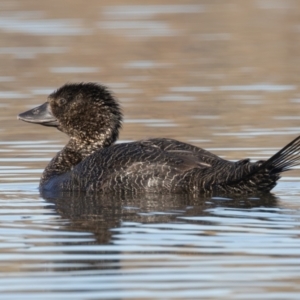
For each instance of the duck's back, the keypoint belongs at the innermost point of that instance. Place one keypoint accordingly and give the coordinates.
(155, 165)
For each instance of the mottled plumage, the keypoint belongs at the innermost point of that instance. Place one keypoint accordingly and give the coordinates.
(90, 115)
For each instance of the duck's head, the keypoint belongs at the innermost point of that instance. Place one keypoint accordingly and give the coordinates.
(85, 111)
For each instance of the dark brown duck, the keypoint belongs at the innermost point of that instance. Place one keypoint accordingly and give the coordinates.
(91, 117)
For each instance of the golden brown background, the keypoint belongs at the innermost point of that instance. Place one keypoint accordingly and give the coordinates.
(219, 74)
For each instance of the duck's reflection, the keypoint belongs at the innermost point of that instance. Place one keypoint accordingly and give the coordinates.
(98, 213)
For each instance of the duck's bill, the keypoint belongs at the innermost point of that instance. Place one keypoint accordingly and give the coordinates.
(39, 115)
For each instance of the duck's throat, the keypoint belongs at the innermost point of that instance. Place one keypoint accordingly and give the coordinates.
(70, 156)
(61, 164)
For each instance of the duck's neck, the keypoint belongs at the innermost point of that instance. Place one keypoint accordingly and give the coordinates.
(71, 155)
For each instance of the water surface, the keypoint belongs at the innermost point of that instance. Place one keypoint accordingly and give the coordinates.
(220, 75)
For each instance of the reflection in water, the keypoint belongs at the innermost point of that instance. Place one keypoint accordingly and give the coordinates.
(146, 11)
(74, 70)
(236, 88)
(99, 213)
(12, 95)
(197, 247)
(258, 87)
(175, 98)
(144, 65)
(136, 21)
(145, 28)
(43, 27)
(31, 52)
(151, 122)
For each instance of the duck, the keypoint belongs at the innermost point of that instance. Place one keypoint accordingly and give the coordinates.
(92, 161)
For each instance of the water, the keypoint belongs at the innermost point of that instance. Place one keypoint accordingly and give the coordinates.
(221, 75)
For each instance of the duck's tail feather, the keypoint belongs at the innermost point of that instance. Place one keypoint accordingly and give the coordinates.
(284, 159)
(263, 175)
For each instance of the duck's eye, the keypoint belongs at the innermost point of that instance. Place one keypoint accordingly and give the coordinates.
(61, 101)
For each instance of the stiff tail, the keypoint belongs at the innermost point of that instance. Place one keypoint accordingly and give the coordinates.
(264, 174)
(285, 159)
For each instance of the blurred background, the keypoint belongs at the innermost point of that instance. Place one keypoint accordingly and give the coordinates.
(215, 73)
(222, 75)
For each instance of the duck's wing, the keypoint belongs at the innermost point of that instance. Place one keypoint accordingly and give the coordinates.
(177, 148)
(159, 165)
(139, 166)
